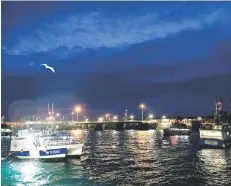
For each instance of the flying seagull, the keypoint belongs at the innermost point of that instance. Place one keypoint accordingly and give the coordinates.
(46, 66)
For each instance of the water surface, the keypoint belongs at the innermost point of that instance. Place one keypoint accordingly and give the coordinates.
(126, 158)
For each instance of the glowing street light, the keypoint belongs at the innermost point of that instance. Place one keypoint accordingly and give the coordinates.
(115, 118)
(57, 114)
(126, 115)
(199, 118)
(100, 119)
(163, 117)
(108, 117)
(131, 117)
(77, 110)
(142, 106)
(150, 116)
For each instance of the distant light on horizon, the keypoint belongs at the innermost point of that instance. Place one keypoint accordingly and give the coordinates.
(151, 116)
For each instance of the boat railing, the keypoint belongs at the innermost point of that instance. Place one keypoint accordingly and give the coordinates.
(60, 142)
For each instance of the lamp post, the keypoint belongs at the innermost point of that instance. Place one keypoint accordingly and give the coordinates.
(115, 118)
(77, 110)
(72, 114)
(126, 115)
(57, 115)
(142, 106)
(132, 117)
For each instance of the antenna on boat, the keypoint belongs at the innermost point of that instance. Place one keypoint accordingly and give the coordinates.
(48, 108)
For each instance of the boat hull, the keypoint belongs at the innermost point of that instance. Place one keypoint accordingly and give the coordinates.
(168, 132)
(211, 142)
(38, 153)
(75, 150)
(214, 138)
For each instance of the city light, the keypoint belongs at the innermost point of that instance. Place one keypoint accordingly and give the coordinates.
(77, 109)
(150, 116)
(163, 117)
(100, 119)
(131, 117)
(199, 118)
(142, 106)
(57, 114)
(115, 117)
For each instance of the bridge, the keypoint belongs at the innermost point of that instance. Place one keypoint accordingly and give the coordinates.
(95, 125)
(78, 122)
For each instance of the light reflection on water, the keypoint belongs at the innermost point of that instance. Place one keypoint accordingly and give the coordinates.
(127, 158)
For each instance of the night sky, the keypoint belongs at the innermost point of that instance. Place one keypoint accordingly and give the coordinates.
(111, 56)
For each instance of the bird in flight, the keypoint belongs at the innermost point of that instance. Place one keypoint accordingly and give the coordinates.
(46, 66)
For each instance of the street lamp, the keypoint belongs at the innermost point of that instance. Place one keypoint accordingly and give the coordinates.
(163, 117)
(108, 117)
(142, 106)
(150, 116)
(126, 115)
(77, 110)
(132, 117)
(100, 119)
(115, 118)
(199, 118)
(57, 115)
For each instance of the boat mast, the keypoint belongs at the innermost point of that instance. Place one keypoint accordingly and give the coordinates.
(48, 109)
(52, 108)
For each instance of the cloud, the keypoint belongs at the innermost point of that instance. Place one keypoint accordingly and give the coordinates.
(63, 102)
(95, 30)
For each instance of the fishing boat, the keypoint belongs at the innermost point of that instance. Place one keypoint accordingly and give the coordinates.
(217, 133)
(177, 129)
(29, 144)
(213, 135)
(26, 145)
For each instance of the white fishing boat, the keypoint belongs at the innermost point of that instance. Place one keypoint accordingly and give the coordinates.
(213, 135)
(29, 144)
(26, 145)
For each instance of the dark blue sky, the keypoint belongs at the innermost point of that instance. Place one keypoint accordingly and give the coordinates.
(110, 56)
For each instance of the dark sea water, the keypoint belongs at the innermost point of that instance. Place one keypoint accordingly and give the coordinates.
(126, 158)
